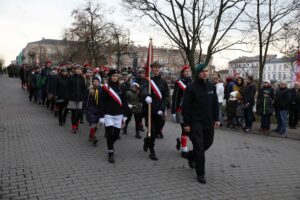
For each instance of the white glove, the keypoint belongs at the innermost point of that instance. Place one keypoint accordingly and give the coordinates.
(160, 113)
(148, 100)
(130, 106)
(174, 117)
(101, 120)
(124, 119)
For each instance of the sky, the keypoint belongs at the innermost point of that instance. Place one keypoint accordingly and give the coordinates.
(24, 21)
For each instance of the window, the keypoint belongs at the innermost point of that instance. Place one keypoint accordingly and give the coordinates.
(284, 76)
(279, 76)
(274, 76)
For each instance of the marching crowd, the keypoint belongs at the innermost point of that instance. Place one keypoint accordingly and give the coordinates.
(111, 98)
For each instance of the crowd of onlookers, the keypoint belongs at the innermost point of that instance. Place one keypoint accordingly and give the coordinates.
(242, 96)
(238, 97)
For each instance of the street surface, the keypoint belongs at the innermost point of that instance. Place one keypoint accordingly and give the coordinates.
(41, 160)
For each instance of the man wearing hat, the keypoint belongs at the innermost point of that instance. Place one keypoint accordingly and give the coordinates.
(200, 113)
(179, 89)
(158, 97)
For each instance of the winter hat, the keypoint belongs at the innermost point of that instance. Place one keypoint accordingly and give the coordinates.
(112, 72)
(200, 67)
(183, 68)
(266, 81)
(135, 84)
(77, 66)
(63, 69)
(156, 63)
(95, 78)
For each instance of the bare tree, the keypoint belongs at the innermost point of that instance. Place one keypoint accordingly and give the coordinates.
(121, 44)
(268, 18)
(192, 23)
(91, 29)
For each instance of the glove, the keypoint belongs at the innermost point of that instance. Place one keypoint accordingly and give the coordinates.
(174, 117)
(101, 120)
(160, 113)
(124, 119)
(130, 106)
(148, 100)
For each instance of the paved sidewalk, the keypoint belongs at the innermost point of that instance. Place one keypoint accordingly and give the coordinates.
(41, 160)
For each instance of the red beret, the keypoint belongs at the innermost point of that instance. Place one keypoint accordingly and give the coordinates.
(184, 67)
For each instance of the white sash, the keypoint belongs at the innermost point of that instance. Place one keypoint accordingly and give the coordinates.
(181, 85)
(156, 90)
(113, 94)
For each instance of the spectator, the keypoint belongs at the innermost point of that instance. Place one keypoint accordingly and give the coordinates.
(266, 87)
(294, 106)
(220, 93)
(265, 110)
(249, 100)
(281, 107)
(231, 110)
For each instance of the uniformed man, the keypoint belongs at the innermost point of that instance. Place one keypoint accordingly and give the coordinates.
(159, 99)
(200, 116)
(179, 89)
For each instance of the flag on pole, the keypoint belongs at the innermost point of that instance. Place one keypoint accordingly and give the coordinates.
(149, 59)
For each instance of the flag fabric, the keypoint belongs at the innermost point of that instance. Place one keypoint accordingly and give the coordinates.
(149, 58)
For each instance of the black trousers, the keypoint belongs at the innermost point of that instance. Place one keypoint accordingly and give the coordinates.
(293, 117)
(112, 134)
(76, 116)
(202, 139)
(265, 121)
(157, 122)
(62, 111)
(137, 119)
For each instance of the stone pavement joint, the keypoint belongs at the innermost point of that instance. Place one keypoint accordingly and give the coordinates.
(41, 160)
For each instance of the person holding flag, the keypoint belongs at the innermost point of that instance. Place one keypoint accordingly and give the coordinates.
(155, 102)
(113, 110)
(179, 89)
(200, 111)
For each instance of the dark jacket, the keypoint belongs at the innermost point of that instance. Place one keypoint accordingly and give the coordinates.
(263, 89)
(37, 81)
(133, 98)
(45, 73)
(178, 93)
(61, 87)
(295, 99)
(200, 104)
(264, 106)
(76, 88)
(157, 104)
(282, 99)
(109, 106)
(51, 82)
(93, 109)
(248, 94)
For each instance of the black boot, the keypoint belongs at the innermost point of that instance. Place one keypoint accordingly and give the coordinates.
(178, 144)
(137, 134)
(125, 130)
(111, 158)
(201, 179)
(190, 158)
(152, 155)
(146, 146)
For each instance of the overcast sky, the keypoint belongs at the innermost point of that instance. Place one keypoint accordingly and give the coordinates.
(24, 21)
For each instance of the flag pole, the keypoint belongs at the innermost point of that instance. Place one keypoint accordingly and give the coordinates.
(149, 87)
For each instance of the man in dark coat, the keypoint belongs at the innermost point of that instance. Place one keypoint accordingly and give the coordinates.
(294, 109)
(281, 106)
(45, 73)
(248, 93)
(158, 98)
(200, 111)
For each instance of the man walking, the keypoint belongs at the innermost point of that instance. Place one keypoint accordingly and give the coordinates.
(200, 111)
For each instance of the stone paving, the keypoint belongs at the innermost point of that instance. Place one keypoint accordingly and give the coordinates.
(41, 160)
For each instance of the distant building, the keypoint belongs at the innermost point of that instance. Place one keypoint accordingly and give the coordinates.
(275, 70)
